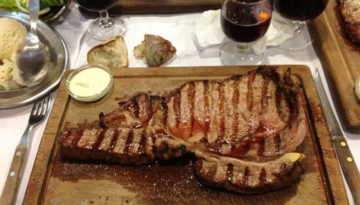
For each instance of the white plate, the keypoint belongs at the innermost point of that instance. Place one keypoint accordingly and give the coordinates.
(58, 55)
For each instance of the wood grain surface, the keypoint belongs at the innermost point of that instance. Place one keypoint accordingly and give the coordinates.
(341, 60)
(164, 6)
(57, 181)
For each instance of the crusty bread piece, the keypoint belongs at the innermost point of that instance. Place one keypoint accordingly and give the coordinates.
(350, 12)
(155, 49)
(112, 53)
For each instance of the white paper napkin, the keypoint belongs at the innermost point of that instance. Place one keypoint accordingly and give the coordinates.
(208, 32)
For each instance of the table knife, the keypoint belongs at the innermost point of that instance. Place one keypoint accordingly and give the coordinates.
(343, 153)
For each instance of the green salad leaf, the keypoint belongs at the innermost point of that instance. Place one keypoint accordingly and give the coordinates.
(23, 5)
(48, 3)
(8, 5)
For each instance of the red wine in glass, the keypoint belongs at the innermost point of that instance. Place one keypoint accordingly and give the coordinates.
(300, 10)
(243, 21)
(96, 5)
(249, 29)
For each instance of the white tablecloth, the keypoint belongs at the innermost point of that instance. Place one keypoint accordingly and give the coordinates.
(176, 28)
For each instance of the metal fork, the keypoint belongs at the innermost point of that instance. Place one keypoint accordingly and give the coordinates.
(38, 113)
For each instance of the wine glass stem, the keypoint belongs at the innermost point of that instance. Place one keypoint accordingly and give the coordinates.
(104, 19)
(243, 48)
(300, 25)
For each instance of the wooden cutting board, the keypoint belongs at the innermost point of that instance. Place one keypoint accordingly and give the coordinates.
(164, 6)
(56, 181)
(341, 62)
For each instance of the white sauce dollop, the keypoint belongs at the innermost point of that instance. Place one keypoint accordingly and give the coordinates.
(89, 82)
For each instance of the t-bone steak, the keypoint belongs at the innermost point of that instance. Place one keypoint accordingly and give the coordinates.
(243, 131)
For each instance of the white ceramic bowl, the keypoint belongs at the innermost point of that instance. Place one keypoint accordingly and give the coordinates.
(89, 83)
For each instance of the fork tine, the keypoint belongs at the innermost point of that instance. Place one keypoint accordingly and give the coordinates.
(41, 106)
(35, 107)
(46, 104)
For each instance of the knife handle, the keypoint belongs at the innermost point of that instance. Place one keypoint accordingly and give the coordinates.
(11, 187)
(349, 168)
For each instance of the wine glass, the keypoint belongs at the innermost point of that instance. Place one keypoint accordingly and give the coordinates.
(299, 12)
(243, 21)
(105, 27)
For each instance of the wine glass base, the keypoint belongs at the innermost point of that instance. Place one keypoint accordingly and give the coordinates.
(230, 54)
(105, 30)
(298, 42)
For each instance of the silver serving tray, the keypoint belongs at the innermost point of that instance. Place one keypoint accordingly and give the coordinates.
(58, 56)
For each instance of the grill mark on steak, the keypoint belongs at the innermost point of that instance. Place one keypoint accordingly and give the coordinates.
(278, 101)
(177, 108)
(245, 178)
(250, 92)
(143, 143)
(99, 140)
(229, 172)
(128, 142)
(137, 134)
(262, 177)
(113, 141)
(233, 127)
(191, 100)
(277, 142)
(147, 110)
(165, 116)
(135, 105)
(261, 146)
(77, 136)
(104, 143)
(264, 96)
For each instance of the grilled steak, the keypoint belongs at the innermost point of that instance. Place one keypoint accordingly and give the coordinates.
(248, 177)
(133, 113)
(254, 115)
(119, 145)
(350, 12)
(241, 131)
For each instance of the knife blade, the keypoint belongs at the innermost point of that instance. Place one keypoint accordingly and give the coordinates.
(343, 153)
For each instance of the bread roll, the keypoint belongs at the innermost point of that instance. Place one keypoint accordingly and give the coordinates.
(155, 50)
(112, 53)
